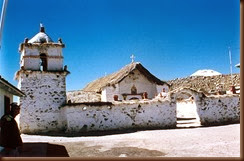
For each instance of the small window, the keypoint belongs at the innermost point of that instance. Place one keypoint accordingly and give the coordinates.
(133, 90)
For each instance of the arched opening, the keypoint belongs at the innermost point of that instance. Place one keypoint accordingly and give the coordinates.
(186, 109)
(43, 62)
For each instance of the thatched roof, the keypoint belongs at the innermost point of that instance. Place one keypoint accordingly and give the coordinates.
(117, 77)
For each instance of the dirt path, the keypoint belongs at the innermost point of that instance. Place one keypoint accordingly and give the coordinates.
(218, 141)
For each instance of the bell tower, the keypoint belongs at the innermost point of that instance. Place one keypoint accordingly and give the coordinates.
(42, 77)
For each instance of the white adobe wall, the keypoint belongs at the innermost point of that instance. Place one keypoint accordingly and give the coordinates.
(141, 82)
(45, 93)
(127, 115)
(109, 92)
(54, 51)
(219, 109)
(55, 59)
(28, 62)
(55, 64)
(212, 109)
(104, 95)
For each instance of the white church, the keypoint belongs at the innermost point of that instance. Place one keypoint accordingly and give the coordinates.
(131, 82)
(124, 99)
(42, 78)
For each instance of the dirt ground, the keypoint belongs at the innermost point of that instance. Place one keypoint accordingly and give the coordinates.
(217, 141)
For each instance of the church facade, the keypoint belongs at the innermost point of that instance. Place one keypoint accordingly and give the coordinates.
(133, 81)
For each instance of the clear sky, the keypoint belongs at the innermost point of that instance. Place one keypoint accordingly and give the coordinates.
(171, 38)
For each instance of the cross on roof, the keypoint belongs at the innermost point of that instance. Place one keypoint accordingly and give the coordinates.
(132, 58)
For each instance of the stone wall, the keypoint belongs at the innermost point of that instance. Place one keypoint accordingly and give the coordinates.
(207, 84)
(83, 96)
(127, 115)
(212, 109)
(45, 93)
(217, 110)
(150, 114)
(136, 114)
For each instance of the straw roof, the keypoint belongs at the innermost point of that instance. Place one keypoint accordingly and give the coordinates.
(117, 77)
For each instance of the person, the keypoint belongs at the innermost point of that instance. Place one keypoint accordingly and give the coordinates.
(10, 135)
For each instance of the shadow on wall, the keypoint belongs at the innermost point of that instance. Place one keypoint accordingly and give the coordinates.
(42, 150)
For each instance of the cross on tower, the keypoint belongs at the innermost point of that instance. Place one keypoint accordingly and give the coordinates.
(42, 28)
(132, 58)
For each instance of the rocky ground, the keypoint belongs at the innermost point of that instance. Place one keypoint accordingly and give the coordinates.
(208, 84)
(217, 141)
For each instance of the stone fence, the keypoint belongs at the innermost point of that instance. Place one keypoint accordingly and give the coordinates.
(149, 114)
(118, 116)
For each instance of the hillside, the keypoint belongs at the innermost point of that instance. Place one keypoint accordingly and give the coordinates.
(208, 84)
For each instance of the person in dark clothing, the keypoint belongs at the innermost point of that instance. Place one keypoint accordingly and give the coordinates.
(10, 135)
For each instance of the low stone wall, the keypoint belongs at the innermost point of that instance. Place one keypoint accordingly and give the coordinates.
(159, 113)
(149, 114)
(217, 110)
(118, 116)
(212, 109)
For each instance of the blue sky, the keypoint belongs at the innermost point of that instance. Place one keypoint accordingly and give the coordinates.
(171, 38)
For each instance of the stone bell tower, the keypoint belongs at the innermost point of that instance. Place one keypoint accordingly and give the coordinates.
(42, 78)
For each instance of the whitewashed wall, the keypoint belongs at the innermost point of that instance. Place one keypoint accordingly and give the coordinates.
(45, 93)
(212, 109)
(55, 62)
(36, 115)
(54, 51)
(126, 115)
(219, 109)
(109, 92)
(140, 81)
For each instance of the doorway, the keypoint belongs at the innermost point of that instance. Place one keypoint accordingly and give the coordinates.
(186, 111)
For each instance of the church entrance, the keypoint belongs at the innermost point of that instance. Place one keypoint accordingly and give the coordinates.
(186, 110)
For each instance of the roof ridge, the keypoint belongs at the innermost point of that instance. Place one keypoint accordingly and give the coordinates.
(118, 76)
